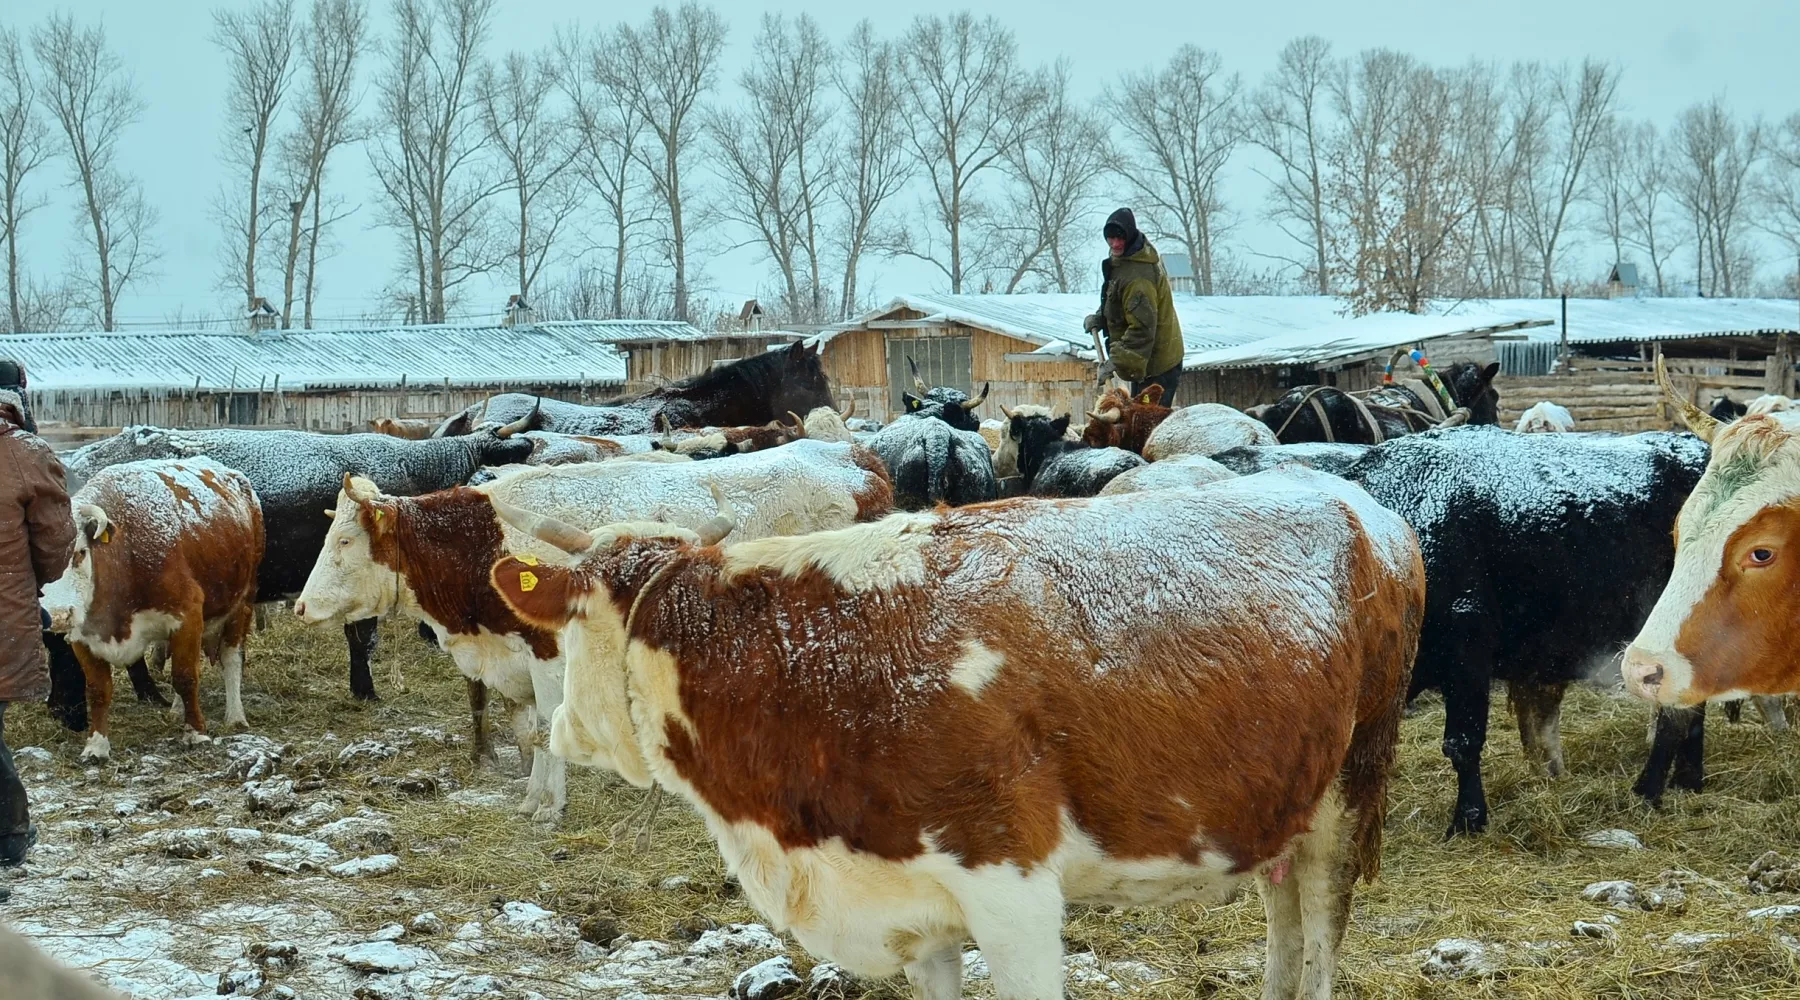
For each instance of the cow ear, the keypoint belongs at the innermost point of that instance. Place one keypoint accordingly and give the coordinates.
(538, 593)
(912, 401)
(1488, 373)
(1060, 425)
(1151, 395)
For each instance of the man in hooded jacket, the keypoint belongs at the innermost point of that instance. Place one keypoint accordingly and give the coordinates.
(36, 533)
(1137, 311)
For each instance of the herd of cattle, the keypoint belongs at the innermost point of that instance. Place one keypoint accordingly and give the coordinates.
(911, 716)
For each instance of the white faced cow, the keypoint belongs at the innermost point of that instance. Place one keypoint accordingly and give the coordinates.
(950, 724)
(429, 557)
(1728, 622)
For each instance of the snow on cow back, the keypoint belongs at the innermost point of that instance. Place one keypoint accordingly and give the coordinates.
(1205, 429)
(1185, 470)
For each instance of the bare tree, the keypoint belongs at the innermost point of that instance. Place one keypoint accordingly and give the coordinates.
(872, 167)
(25, 145)
(1054, 172)
(535, 148)
(660, 71)
(1582, 106)
(1778, 189)
(1290, 119)
(1649, 179)
(258, 44)
(608, 131)
(775, 155)
(1181, 125)
(968, 104)
(1715, 156)
(90, 95)
(330, 48)
(428, 157)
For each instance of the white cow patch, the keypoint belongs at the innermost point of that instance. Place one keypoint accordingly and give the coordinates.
(888, 553)
(977, 666)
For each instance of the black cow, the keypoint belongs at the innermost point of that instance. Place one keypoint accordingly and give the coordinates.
(1052, 466)
(1543, 555)
(752, 391)
(1395, 410)
(933, 451)
(1726, 409)
(952, 406)
(1336, 459)
(297, 476)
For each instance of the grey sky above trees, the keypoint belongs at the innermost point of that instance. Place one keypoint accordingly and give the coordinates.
(1674, 148)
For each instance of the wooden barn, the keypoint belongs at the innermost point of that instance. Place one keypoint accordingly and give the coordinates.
(1241, 350)
(320, 380)
(659, 353)
(1739, 348)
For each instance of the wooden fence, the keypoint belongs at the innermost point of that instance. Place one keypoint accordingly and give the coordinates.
(1618, 395)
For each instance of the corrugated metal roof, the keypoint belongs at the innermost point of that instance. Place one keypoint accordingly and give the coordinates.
(1628, 320)
(1218, 331)
(658, 332)
(543, 353)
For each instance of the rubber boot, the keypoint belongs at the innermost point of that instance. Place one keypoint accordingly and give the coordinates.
(16, 832)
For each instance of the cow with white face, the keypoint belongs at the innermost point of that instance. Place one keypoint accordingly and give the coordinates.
(1728, 622)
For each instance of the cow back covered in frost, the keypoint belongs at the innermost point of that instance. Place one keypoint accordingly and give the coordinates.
(948, 724)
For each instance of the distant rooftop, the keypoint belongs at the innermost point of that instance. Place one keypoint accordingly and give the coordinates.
(572, 351)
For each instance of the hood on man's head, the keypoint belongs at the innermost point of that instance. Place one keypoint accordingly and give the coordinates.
(1122, 224)
(12, 407)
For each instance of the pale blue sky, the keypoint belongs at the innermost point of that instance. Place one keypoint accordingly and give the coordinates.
(1672, 54)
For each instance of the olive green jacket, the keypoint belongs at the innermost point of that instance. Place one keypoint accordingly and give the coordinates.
(1143, 334)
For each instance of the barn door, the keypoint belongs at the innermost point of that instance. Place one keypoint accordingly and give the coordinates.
(943, 361)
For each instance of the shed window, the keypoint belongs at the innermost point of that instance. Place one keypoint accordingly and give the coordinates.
(942, 361)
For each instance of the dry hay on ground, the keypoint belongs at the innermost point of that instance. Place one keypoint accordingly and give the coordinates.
(1515, 891)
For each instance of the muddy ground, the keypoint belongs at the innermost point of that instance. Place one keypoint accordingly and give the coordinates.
(341, 849)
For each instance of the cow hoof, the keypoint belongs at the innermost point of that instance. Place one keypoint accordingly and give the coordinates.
(1470, 824)
(1689, 781)
(1554, 768)
(194, 738)
(97, 751)
(548, 815)
(529, 807)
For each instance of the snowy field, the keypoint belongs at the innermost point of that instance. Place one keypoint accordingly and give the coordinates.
(348, 850)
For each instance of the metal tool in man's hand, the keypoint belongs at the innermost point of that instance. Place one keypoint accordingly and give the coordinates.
(1104, 363)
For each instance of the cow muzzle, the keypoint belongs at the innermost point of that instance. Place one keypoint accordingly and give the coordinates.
(1653, 676)
(308, 613)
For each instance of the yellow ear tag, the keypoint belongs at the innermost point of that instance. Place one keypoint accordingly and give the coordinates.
(378, 513)
(105, 534)
(528, 560)
(527, 581)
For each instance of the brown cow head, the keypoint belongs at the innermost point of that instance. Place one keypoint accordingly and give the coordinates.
(1121, 420)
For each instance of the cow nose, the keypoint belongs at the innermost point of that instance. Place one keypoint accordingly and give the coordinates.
(1643, 673)
(300, 609)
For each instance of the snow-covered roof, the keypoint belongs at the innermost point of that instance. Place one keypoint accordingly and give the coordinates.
(1218, 331)
(1602, 321)
(623, 332)
(544, 353)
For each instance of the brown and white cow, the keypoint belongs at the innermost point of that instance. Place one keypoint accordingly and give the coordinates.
(165, 551)
(950, 724)
(1728, 622)
(429, 557)
(401, 427)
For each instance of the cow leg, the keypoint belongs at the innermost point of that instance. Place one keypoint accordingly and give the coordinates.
(143, 683)
(68, 685)
(1538, 709)
(231, 664)
(184, 663)
(1672, 732)
(553, 782)
(1326, 881)
(98, 674)
(1286, 956)
(1734, 712)
(478, 737)
(1465, 734)
(1016, 921)
(524, 725)
(1690, 754)
(361, 638)
(936, 975)
(1774, 712)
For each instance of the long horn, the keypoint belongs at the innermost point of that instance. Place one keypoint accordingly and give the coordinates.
(849, 411)
(721, 524)
(977, 401)
(1106, 417)
(799, 425)
(1007, 412)
(918, 383)
(479, 417)
(566, 537)
(668, 431)
(1703, 424)
(522, 424)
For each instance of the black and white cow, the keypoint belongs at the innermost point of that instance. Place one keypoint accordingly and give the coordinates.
(1051, 465)
(934, 451)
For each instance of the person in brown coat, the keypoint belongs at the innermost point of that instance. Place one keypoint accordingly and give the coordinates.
(36, 533)
(32, 975)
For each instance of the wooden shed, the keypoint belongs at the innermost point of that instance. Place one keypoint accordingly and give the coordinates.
(657, 354)
(321, 380)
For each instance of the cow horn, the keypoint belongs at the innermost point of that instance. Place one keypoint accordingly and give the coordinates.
(549, 530)
(331, 512)
(1106, 416)
(479, 417)
(977, 401)
(1703, 424)
(360, 494)
(918, 383)
(522, 424)
(1006, 412)
(721, 524)
(848, 411)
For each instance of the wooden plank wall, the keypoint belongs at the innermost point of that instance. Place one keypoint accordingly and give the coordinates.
(1612, 395)
(856, 363)
(651, 365)
(330, 412)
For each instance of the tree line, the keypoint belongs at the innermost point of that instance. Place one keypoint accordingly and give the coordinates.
(593, 174)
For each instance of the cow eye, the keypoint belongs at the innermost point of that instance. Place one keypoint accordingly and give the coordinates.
(1760, 556)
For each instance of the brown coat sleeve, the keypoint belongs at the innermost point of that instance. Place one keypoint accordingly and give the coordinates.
(47, 515)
